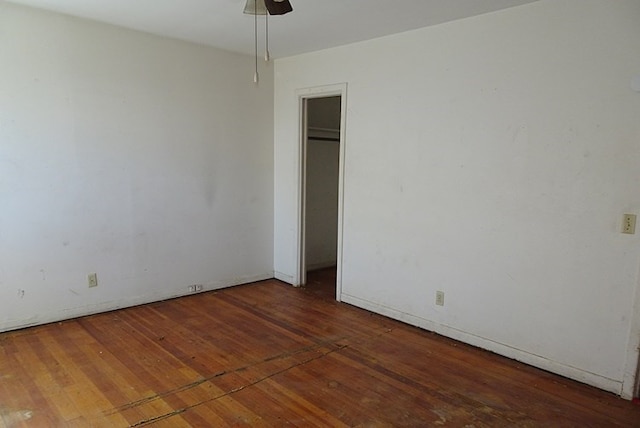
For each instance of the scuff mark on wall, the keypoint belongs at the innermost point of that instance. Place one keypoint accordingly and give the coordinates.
(21, 293)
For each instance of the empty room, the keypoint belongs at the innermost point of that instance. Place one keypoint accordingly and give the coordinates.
(319, 213)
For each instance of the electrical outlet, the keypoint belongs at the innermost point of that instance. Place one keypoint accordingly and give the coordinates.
(629, 224)
(440, 298)
(92, 279)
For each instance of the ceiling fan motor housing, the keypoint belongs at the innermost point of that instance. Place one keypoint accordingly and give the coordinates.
(278, 7)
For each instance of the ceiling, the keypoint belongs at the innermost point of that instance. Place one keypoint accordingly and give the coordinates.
(313, 24)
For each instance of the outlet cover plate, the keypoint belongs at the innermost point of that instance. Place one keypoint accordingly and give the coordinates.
(629, 224)
(440, 298)
(92, 280)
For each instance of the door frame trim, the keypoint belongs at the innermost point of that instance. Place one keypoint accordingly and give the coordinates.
(303, 95)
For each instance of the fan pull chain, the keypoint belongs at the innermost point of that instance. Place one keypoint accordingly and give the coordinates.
(256, 78)
(267, 55)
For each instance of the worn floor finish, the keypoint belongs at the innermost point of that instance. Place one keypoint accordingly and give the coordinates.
(267, 354)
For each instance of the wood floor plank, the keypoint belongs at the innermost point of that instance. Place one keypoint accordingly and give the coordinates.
(267, 354)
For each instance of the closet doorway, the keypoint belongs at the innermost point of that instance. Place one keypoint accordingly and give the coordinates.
(322, 149)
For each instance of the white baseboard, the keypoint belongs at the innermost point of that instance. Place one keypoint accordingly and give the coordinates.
(289, 279)
(321, 265)
(588, 378)
(70, 313)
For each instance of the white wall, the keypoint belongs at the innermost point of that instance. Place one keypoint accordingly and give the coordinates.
(127, 155)
(491, 158)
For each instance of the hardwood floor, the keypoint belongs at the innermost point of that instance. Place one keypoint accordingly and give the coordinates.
(267, 354)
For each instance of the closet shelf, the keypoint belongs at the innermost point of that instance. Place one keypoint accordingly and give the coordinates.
(323, 134)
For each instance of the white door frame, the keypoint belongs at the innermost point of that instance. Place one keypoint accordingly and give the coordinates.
(303, 95)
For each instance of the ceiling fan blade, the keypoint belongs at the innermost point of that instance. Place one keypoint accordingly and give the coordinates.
(255, 7)
(278, 7)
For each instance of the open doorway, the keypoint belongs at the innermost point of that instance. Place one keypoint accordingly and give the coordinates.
(321, 183)
(322, 171)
